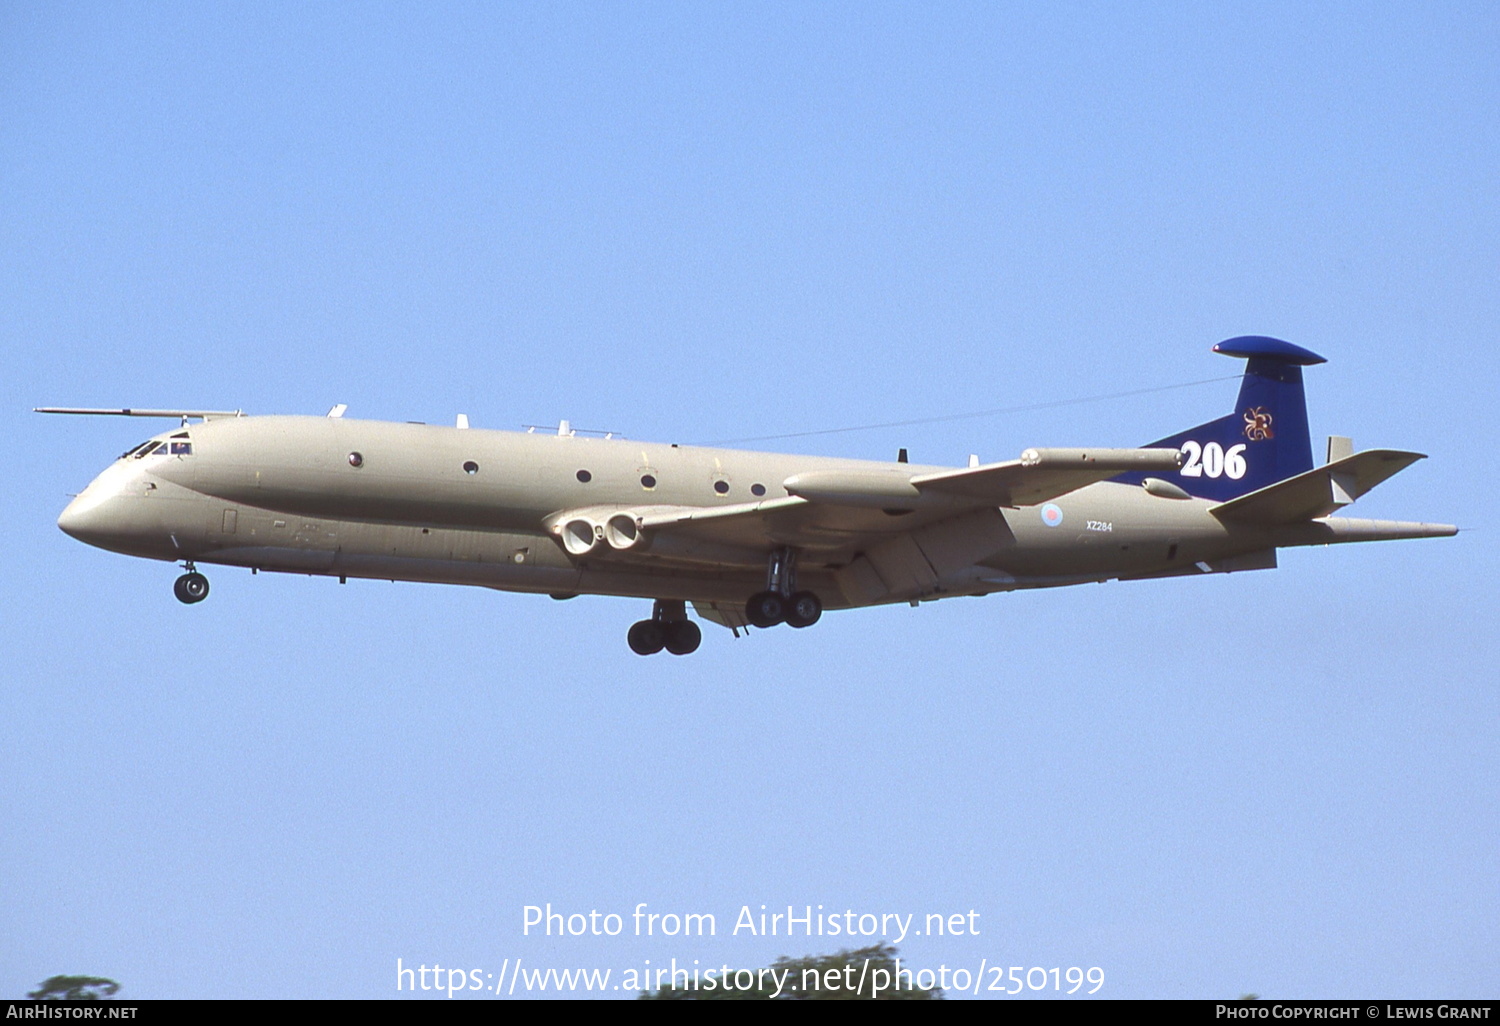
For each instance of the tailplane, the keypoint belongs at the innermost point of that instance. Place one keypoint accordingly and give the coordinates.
(1318, 492)
(1265, 439)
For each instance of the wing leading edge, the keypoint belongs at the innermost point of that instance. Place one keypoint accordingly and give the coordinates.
(1044, 474)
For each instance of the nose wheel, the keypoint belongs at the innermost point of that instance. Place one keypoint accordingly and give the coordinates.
(669, 628)
(781, 602)
(191, 587)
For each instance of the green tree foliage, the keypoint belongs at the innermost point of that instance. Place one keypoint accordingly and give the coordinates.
(74, 988)
(835, 977)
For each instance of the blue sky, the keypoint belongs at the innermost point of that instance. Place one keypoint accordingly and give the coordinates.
(690, 223)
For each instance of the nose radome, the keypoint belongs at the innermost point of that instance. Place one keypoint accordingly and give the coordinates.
(82, 518)
(94, 512)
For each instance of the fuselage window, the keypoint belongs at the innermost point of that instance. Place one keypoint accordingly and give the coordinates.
(584, 477)
(470, 467)
(722, 487)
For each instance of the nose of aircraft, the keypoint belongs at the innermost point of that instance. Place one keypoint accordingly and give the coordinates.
(94, 514)
(83, 519)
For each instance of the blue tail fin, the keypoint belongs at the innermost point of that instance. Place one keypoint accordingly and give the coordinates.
(1263, 441)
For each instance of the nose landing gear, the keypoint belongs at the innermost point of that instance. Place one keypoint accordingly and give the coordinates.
(191, 587)
(668, 628)
(781, 602)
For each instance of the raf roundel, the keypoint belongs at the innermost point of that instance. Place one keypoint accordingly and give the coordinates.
(1051, 515)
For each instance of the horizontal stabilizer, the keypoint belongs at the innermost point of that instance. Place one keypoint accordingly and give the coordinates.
(1333, 530)
(1318, 492)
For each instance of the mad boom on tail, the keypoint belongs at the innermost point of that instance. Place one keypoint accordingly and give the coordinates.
(748, 538)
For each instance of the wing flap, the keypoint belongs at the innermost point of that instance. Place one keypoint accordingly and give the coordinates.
(723, 614)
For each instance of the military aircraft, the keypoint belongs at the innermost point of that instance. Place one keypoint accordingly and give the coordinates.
(748, 538)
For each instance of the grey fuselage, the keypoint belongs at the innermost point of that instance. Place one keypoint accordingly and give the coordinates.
(459, 506)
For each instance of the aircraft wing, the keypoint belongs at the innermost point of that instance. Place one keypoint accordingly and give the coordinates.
(725, 614)
(744, 532)
(1043, 474)
(840, 511)
(1317, 492)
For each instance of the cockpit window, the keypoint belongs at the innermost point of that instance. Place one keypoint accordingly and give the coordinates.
(158, 448)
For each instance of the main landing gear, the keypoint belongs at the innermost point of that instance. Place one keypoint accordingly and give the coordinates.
(781, 602)
(668, 628)
(191, 587)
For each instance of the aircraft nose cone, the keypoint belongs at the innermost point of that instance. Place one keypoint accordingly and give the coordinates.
(98, 512)
(82, 519)
(115, 513)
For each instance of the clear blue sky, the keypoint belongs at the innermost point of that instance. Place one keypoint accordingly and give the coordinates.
(690, 222)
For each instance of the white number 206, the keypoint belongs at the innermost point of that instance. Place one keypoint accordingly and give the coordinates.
(1212, 461)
